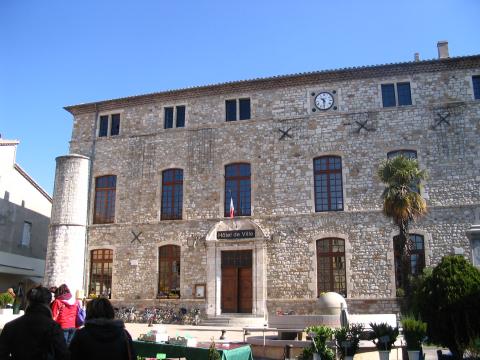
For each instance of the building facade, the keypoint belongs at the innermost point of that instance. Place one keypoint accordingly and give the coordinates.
(24, 217)
(295, 158)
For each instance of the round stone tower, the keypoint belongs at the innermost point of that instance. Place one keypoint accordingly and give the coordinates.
(65, 262)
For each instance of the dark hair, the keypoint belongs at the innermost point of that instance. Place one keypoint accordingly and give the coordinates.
(39, 295)
(100, 308)
(62, 290)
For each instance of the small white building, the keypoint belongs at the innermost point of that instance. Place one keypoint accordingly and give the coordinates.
(24, 219)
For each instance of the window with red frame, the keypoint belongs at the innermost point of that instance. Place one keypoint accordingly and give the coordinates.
(101, 262)
(331, 270)
(169, 271)
(416, 258)
(172, 194)
(105, 188)
(328, 183)
(238, 188)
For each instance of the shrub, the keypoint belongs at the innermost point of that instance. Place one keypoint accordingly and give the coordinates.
(448, 301)
(5, 298)
(383, 336)
(350, 335)
(414, 332)
(473, 350)
(320, 335)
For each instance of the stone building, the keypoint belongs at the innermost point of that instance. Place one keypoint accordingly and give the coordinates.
(297, 156)
(24, 217)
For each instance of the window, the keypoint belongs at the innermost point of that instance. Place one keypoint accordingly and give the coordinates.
(169, 271)
(171, 113)
(328, 183)
(416, 258)
(105, 188)
(238, 188)
(109, 125)
(172, 194)
(409, 154)
(231, 109)
(402, 96)
(476, 86)
(26, 234)
(101, 262)
(331, 272)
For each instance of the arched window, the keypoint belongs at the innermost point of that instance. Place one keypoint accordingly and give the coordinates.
(409, 154)
(331, 272)
(101, 261)
(328, 183)
(416, 258)
(105, 189)
(172, 194)
(238, 188)
(169, 271)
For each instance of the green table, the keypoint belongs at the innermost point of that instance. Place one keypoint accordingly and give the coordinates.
(150, 349)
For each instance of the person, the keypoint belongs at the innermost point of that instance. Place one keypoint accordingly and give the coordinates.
(102, 337)
(12, 294)
(34, 335)
(19, 303)
(64, 311)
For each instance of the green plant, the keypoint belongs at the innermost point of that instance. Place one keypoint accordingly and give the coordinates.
(320, 335)
(473, 350)
(348, 339)
(414, 332)
(383, 336)
(400, 293)
(448, 300)
(213, 353)
(5, 298)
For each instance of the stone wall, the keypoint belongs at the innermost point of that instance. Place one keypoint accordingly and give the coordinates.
(282, 180)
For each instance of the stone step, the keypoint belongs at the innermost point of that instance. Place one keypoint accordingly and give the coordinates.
(234, 320)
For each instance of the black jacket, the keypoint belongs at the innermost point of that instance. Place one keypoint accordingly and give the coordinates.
(32, 336)
(102, 339)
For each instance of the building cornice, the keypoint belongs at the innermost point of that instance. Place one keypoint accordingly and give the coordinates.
(301, 79)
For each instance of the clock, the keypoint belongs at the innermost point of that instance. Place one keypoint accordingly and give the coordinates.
(324, 100)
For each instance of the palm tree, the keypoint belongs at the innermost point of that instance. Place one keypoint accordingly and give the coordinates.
(402, 201)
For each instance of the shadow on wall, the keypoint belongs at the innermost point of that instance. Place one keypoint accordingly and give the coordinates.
(14, 221)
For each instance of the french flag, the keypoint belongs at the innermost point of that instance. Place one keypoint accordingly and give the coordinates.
(232, 209)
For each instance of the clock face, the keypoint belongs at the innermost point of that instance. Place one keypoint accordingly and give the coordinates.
(324, 101)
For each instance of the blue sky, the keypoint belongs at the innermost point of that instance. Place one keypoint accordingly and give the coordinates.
(56, 53)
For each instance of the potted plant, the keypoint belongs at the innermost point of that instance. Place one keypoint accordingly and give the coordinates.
(319, 349)
(6, 299)
(383, 336)
(347, 340)
(414, 332)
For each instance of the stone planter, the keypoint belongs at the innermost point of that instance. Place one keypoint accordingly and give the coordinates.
(6, 311)
(384, 355)
(413, 354)
(316, 356)
(348, 357)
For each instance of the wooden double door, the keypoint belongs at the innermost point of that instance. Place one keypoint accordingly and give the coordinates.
(237, 281)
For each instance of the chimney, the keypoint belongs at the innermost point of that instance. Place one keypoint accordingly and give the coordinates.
(416, 57)
(443, 49)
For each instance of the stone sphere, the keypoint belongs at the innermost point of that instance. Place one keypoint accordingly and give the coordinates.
(330, 303)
